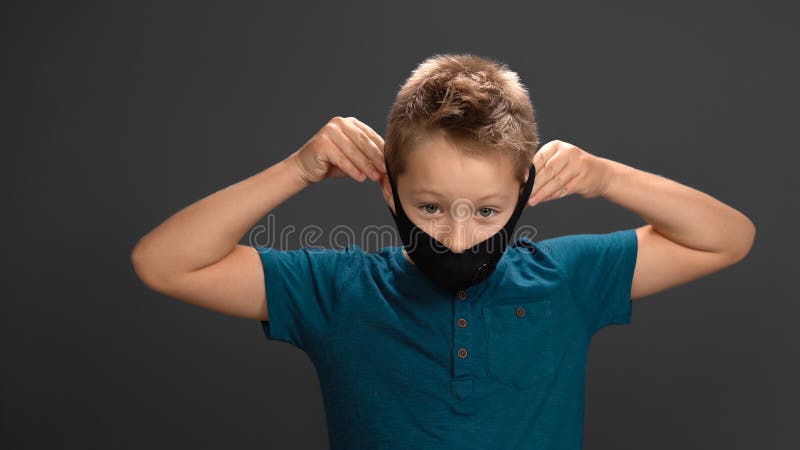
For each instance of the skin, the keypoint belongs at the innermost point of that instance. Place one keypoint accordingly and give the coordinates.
(194, 255)
(473, 202)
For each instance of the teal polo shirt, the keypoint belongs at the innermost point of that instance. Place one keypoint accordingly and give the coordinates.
(403, 364)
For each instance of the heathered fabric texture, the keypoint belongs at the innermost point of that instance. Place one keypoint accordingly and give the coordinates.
(397, 367)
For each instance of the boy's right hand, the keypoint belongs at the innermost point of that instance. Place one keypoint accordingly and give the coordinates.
(345, 146)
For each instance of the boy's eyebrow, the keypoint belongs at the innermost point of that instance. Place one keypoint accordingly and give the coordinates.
(492, 195)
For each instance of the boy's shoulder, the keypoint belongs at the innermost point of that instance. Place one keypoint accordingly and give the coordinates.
(319, 260)
(583, 252)
(554, 252)
(586, 242)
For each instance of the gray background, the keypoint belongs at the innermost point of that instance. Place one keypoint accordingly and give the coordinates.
(119, 114)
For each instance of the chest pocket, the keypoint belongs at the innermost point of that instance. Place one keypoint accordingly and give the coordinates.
(519, 341)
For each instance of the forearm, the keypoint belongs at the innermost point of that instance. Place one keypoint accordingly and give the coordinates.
(680, 213)
(207, 230)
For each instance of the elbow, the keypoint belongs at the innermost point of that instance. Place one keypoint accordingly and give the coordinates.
(139, 265)
(745, 242)
(144, 269)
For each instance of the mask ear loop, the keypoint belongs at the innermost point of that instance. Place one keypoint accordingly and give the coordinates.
(401, 218)
(479, 274)
(395, 195)
(507, 229)
(526, 193)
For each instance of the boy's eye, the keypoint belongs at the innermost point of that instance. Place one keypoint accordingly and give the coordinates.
(431, 208)
(486, 212)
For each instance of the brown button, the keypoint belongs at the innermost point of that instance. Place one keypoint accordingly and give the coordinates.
(462, 294)
(462, 353)
(462, 322)
(520, 311)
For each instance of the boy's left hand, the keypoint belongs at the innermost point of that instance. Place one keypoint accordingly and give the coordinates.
(562, 168)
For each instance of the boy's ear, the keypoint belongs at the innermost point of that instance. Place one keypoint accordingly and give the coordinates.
(386, 188)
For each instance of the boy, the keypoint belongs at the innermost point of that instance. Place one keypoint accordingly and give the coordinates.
(470, 346)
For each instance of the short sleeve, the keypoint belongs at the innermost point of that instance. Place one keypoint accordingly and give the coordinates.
(599, 270)
(301, 288)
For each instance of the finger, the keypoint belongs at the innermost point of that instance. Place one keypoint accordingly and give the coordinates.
(372, 134)
(558, 186)
(543, 154)
(354, 147)
(351, 150)
(364, 143)
(376, 143)
(551, 167)
(336, 157)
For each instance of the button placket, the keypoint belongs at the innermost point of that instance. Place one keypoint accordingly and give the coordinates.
(462, 339)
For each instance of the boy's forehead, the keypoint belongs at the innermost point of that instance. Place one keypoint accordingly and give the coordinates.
(438, 167)
(437, 153)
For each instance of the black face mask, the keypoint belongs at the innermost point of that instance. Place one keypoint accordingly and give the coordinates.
(454, 271)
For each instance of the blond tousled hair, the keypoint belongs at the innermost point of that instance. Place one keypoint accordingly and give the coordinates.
(478, 103)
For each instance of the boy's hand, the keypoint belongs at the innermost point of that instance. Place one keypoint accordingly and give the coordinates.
(562, 168)
(345, 146)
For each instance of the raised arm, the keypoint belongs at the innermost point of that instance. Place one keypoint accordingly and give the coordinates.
(194, 255)
(689, 234)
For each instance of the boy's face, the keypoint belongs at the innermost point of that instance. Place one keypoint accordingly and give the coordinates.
(457, 198)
